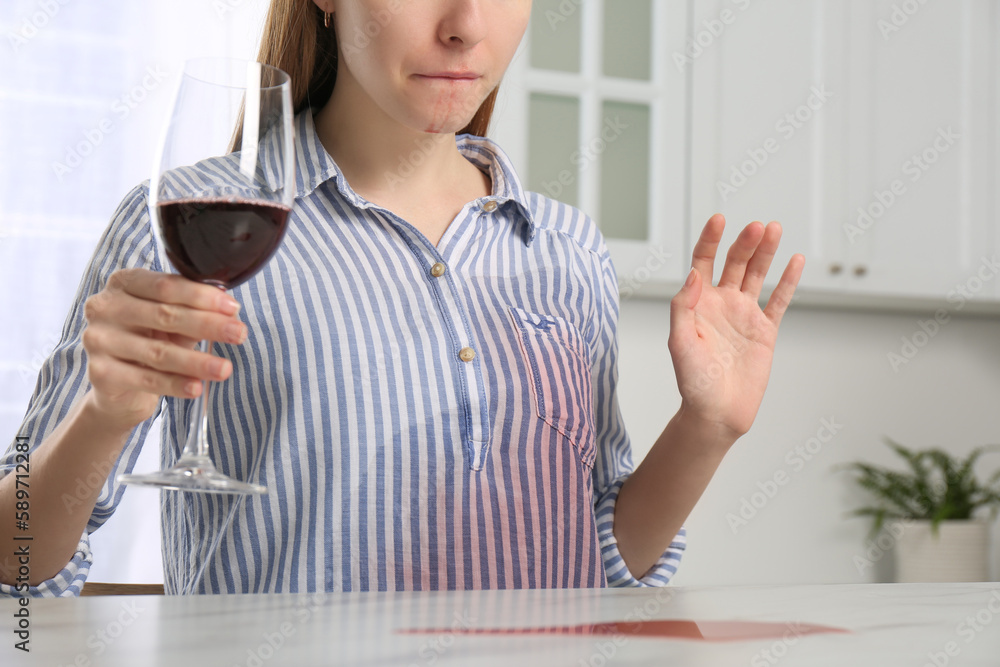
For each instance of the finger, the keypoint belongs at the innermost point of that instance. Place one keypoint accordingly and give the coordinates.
(778, 302)
(183, 341)
(172, 289)
(176, 339)
(155, 354)
(125, 310)
(739, 255)
(682, 329)
(113, 376)
(759, 264)
(703, 257)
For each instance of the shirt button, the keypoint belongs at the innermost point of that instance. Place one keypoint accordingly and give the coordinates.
(466, 354)
(490, 206)
(437, 270)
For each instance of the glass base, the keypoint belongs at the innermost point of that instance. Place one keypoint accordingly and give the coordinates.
(198, 475)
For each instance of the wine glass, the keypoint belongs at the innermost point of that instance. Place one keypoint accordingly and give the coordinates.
(219, 198)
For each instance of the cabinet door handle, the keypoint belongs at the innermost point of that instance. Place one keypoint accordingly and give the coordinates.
(860, 270)
(836, 268)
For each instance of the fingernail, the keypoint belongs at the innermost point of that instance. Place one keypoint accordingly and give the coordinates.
(690, 279)
(235, 332)
(230, 306)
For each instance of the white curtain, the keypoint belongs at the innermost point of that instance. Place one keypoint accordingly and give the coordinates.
(83, 97)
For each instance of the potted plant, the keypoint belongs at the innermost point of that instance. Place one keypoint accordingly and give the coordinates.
(933, 510)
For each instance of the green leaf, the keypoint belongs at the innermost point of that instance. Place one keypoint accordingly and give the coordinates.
(915, 461)
(935, 486)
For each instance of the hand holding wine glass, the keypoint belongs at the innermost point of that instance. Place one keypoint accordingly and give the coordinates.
(219, 202)
(141, 332)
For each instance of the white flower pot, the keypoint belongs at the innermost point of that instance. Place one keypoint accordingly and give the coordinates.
(959, 552)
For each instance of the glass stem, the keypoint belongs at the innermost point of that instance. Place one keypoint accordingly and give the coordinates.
(196, 446)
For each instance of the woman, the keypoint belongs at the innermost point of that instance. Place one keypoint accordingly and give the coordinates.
(425, 373)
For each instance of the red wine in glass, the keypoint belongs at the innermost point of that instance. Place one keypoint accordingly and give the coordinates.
(220, 195)
(221, 241)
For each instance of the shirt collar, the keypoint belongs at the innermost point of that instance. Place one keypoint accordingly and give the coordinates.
(314, 166)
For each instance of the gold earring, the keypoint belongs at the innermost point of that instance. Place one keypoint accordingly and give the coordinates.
(326, 19)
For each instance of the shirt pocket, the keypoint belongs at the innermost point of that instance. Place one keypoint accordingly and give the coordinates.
(558, 360)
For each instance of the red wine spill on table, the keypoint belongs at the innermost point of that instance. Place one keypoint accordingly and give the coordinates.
(713, 631)
(221, 241)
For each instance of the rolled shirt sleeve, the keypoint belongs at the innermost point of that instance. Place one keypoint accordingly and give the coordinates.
(62, 380)
(613, 462)
(616, 571)
(68, 582)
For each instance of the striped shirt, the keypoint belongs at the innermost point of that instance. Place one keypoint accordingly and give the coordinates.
(394, 459)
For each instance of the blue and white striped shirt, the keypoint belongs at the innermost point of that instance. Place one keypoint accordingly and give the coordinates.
(391, 462)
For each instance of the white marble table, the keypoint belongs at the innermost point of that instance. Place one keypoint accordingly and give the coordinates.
(886, 624)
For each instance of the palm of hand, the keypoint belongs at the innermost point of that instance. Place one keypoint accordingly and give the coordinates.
(721, 341)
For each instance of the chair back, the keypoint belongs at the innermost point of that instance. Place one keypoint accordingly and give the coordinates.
(97, 588)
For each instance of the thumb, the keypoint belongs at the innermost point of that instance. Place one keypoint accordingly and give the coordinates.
(682, 328)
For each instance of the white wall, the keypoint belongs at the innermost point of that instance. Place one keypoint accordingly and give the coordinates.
(829, 364)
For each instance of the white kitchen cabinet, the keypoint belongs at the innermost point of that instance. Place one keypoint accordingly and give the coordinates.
(767, 95)
(922, 142)
(869, 128)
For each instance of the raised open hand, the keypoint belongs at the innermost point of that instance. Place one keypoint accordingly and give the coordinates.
(721, 342)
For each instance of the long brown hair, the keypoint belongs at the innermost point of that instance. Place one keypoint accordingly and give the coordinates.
(295, 40)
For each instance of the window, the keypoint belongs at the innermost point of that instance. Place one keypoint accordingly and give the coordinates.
(82, 105)
(594, 115)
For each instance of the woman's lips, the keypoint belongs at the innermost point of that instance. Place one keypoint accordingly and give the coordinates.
(450, 75)
(449, 78)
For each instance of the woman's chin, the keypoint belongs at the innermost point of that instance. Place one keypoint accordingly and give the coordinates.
(447, 126)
